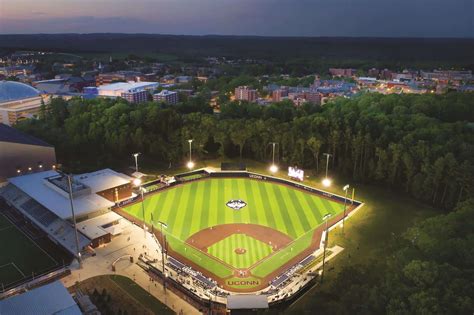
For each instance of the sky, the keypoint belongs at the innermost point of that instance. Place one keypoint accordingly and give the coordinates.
(371, 18)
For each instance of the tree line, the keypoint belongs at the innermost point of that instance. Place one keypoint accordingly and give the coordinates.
(423, 144)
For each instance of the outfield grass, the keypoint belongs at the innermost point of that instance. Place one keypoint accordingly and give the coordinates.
(189, 208)
(225, 250)
(21, 257)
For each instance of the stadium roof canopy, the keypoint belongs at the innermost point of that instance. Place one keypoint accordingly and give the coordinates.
(9, 134)
(35, 185)
(52, 298)
(13, 91)
(247, 302)
(103, 179)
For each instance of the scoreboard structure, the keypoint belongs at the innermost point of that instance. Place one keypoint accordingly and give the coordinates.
(296, 173)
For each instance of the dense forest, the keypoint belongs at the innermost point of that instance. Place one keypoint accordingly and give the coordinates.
(423, 144)
(293, 53)
(430, 271)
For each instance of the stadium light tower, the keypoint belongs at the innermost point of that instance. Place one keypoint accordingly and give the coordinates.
(69, 183)
(137, 182)
(163, 225)
(273, 167)
(345, 188)
(190, 164)
(135, 155)
(326, 238)
(327, 181)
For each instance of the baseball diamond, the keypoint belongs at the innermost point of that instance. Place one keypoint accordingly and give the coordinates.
(242, 246)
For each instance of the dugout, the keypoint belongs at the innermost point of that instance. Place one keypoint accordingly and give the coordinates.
(246, 303)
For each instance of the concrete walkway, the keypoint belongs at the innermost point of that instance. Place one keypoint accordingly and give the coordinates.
(131, 242)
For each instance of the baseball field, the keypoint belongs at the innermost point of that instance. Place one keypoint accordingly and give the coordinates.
(237, 228)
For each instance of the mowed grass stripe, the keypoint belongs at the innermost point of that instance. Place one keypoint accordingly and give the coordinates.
(228, 212)
(176, 221)
(200, 208)
(193, 208)
(221, 207)
(260, 216)
(315, 208)
(299, 209)
(281, 216)
(235, 195)
(171, 202)
(308, 211)
(252, 204)
(292, 211)
(164, 207)
(268, 206)
(213, 200)
(245, 211)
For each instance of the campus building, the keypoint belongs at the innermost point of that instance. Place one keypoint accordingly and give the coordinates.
(22, 154)
(245, 93)
(165, 96)
(18, 101)
(43, 198)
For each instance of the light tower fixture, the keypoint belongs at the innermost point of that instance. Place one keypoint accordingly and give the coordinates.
(190, 163)
(273, 167)
(327, 181)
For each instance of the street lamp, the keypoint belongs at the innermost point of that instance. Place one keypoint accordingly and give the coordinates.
(327, 181)
(273, 167)
(137, 182)
(135, 155)
(326, 238)
(345, 188)
(190, 164)
(163, 225)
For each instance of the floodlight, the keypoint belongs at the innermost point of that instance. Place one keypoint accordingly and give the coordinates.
(327, 182)
(190, 165)
(137, 182)
(345, 188)
(273, 168)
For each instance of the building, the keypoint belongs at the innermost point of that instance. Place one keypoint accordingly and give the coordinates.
(52, 298)
(313, 97)
(134, 92)
(340, 72)
(245, 93)
(136, 96)
(18, 101)
(43, 198)
(279, 94)
(165, 96)
(22, 154)
(119, 76)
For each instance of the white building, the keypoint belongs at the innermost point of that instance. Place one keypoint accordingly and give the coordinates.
(117, 89)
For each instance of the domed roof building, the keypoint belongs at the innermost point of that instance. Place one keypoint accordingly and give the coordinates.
(18, 101)
(13, 91)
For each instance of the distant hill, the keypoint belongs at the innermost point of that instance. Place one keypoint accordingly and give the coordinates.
(457, 51)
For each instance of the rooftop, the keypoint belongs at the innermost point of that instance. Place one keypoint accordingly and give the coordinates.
(49, 299)
(35, 185)
(13, 91)
(9, 134)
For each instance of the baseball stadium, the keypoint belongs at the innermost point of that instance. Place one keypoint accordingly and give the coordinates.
(242, 230)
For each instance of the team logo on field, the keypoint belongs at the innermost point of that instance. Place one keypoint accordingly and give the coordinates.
(236, 204)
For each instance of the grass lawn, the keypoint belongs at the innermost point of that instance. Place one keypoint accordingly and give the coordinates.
(125, 295)
(192, 207)
(21, 257)
(142, 296)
